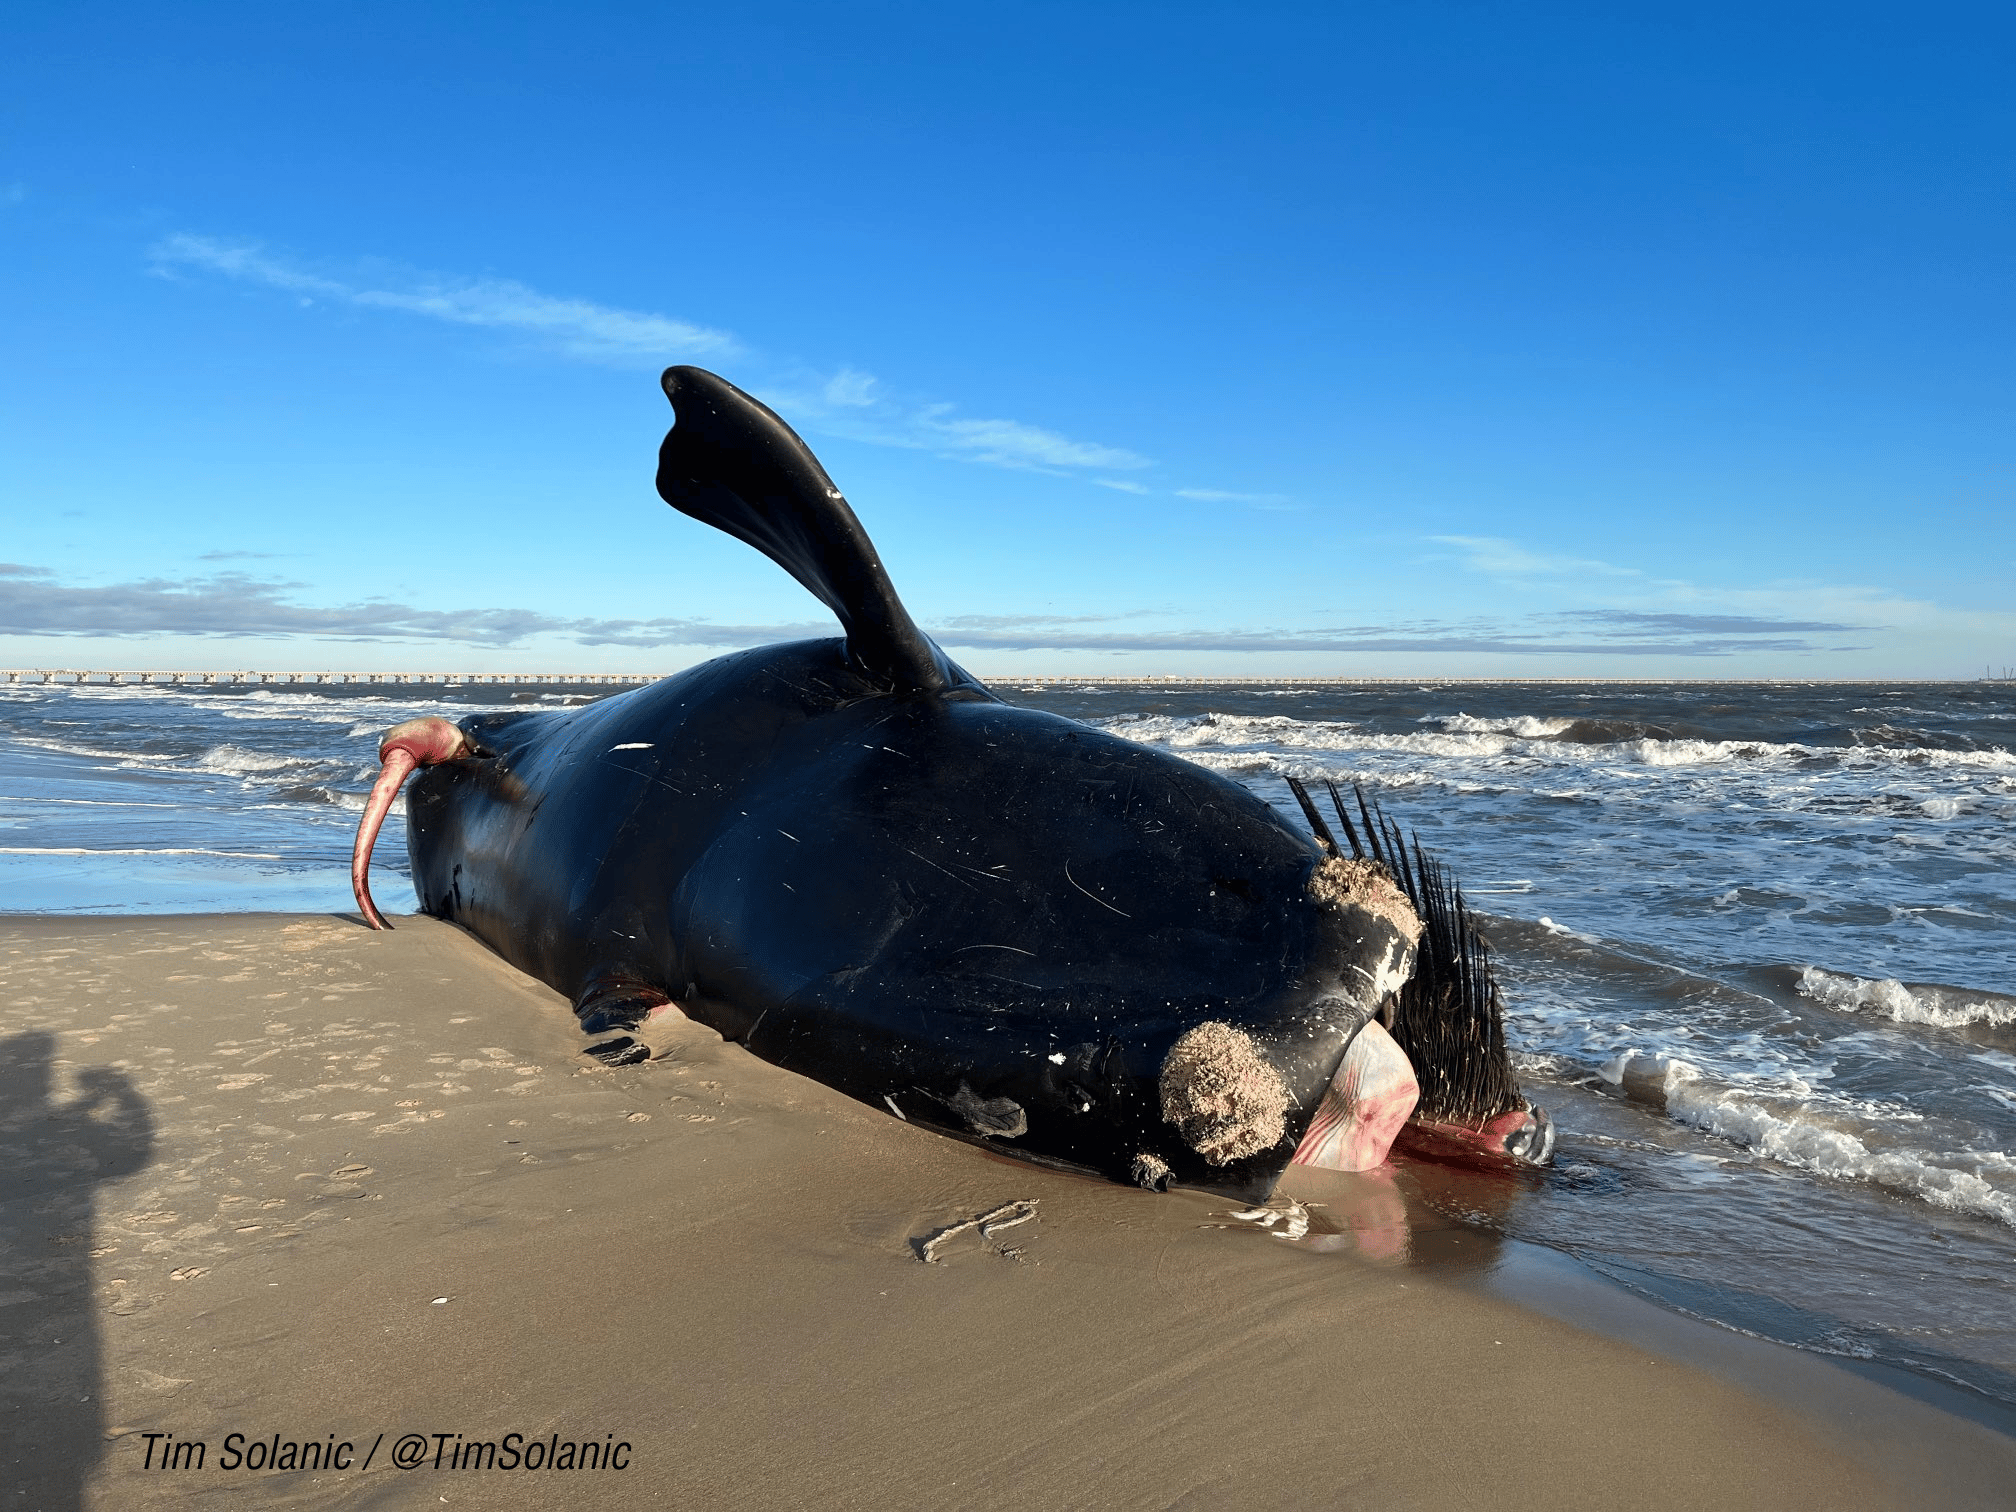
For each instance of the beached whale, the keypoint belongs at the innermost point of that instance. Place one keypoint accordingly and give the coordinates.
(852, 858)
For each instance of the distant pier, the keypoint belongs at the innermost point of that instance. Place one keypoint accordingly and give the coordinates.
(78, 677)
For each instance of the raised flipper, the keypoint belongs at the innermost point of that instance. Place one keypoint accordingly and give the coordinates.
(730, 462)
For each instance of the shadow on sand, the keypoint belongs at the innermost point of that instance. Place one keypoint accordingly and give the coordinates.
(53, 1158)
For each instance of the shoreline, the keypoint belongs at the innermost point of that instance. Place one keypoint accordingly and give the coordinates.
(257, 1147)
(372, 682)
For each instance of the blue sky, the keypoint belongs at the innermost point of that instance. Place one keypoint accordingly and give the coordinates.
(1362, 339)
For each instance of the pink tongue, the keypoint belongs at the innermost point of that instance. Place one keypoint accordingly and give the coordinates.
(416, 743)
(1364, 1106)
(1521, 1137)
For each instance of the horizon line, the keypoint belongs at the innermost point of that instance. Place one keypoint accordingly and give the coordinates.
(330, 678)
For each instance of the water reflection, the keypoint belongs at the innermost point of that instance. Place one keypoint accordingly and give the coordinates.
(1408, 1212)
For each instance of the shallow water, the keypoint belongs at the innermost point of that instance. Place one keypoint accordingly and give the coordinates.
(1759, 942)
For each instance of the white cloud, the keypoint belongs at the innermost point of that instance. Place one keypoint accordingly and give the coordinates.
(1627, 602)
(1125, 485)
(1878, 628)
(1227, 496)
(1501, 558)
(575, 327)
(848, 403)
(1009, 443)
(233, 605)
(850, 389)
(859, 407)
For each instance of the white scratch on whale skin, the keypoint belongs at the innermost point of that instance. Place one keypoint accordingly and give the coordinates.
(634, 745)
(1094, 897)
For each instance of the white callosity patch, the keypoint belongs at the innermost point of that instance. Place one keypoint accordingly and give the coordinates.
(1388, 975)
(1221, 1094)
(1364, 884)
(1369, 887)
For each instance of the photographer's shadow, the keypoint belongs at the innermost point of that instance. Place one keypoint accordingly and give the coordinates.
(53, 1158)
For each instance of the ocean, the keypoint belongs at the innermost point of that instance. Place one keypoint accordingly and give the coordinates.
(1758, 941)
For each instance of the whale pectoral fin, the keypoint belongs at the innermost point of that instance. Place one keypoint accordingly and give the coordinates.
(730, 462)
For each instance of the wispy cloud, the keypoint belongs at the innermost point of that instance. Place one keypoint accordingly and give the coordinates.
(1009, 443)
(851, 389)
(1631, 606)
(1508, 559)
(1539, 635)
(858, 406)
(1636, 622)
(847, 403)
(233, 605)
(1227, 496)
(575, 328)
(984, 624)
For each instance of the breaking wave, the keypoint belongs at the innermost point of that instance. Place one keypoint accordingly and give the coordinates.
(1907, 1002)
(1563, 740)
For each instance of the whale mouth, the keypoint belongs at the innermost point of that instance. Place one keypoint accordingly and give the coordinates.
(1448, 1017)
(428, 741)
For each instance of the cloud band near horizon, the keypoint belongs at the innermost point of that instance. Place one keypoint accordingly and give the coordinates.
(236, 606)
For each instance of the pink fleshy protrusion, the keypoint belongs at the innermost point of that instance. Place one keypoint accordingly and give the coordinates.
(1522, 1137)
(416, 743)
(1363, 1108)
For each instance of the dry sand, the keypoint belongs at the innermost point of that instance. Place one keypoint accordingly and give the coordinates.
(247, 1156)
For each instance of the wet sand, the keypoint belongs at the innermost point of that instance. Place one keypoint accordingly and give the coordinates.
(279, 1177)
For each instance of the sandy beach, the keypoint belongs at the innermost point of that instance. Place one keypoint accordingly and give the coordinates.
(274, 1182)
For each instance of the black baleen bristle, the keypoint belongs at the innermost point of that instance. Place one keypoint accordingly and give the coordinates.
(1449, 1018)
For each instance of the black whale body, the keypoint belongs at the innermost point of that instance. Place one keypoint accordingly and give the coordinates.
(850, 857)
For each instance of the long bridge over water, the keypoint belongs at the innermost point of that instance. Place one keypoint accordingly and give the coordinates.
(82, 677)
(79, 677)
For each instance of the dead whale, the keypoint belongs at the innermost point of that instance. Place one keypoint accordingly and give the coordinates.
(852, 858)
